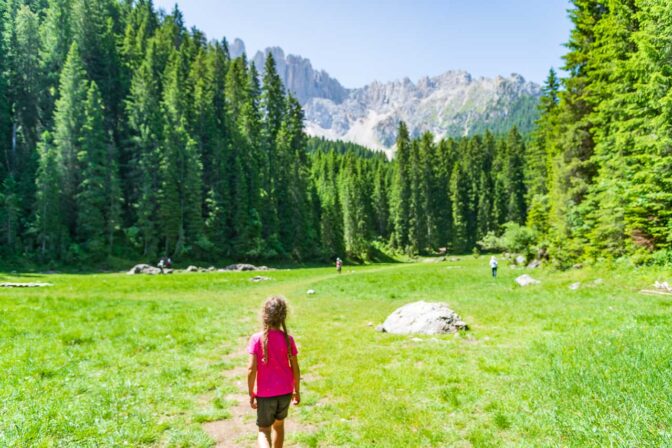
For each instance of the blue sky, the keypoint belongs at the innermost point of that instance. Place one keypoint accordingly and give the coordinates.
(359, 41)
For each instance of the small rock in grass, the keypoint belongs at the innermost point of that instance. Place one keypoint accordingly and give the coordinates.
(526, 280)
(665, 286)
(416, 339)
(598, 281)
(534, 264)
(259, 278)
(245, 267)
(575, 286)
(370, 324)
(310, 292)
(577, 266)
(520, 260)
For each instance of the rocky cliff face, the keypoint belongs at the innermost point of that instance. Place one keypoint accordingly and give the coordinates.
(451, 104)
(300, 78)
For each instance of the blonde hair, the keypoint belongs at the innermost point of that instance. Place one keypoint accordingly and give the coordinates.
(274, 315)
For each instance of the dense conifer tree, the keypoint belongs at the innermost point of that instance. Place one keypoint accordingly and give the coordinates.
(49, 225)
(99, 196)
(69, 119)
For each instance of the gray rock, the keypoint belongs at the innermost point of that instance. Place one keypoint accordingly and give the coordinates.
(259, 278)
(534, 264)
(423, 318)
(577, 266)
(598, 281)
(24, 285)
(144, 269)
(526, 280)
(245, 267)
(520, 260)
(310, 292)
(192, 269)
(665, 286)
(575, 286)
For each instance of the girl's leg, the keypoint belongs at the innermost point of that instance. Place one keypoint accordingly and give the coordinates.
(264, 437)
(278, 433)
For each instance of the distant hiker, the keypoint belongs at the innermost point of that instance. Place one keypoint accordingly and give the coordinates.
(169, 263)
(162, 264)
(493, 265)
(339, 265)
(273, 378)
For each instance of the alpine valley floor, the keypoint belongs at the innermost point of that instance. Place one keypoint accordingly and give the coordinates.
(117, 360)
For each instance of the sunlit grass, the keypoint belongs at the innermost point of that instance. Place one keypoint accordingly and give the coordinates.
(113, 360)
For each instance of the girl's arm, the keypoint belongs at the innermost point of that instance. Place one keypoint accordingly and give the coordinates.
(251, 379)
(294, 361)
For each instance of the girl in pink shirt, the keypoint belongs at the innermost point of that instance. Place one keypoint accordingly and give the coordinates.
(274, 370)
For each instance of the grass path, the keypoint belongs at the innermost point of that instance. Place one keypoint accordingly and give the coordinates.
(237, 430)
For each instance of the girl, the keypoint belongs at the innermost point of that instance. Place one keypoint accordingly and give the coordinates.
(274, 369)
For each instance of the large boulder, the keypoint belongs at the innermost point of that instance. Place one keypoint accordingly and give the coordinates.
(192, 269)
(526, 280)
(144, 269)
(423, 318)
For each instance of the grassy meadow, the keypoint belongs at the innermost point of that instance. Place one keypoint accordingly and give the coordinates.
(117, 360)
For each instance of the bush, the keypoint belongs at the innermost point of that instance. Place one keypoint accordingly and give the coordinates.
(515, 239)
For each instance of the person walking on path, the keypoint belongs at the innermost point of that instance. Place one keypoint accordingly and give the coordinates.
(493, 266)
(339, 265)
(274, 377)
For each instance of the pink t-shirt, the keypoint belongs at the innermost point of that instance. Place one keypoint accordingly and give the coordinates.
(274, 377)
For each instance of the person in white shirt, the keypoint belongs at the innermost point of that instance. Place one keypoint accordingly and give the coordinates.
(493, 265)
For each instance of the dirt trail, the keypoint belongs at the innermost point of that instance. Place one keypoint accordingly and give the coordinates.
(239, 431)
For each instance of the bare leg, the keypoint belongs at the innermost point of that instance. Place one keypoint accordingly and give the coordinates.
(264, 437)
(278, 433)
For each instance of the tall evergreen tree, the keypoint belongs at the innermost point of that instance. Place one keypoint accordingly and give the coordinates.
(56, 35)
(515, 177)
(49, 227)
(540, 155)
(145, 123)
(273, 107)
(401, 189)
(69, 119)
(98, 196)
(180, 198)
(26, 81)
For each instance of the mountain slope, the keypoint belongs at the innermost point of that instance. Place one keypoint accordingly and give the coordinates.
(451, 104)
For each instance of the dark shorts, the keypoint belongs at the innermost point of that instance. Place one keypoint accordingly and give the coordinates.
(270, 409)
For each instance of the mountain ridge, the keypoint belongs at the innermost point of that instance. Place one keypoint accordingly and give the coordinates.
(453, 103)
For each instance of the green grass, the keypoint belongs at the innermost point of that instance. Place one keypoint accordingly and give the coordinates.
(116, 360)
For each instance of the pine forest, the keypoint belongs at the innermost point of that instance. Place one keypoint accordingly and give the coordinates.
(125, 134)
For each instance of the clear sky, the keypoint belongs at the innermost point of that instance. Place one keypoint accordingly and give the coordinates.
(359, 41)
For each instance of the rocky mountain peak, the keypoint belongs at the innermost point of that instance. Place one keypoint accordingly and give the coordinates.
(453, 103)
